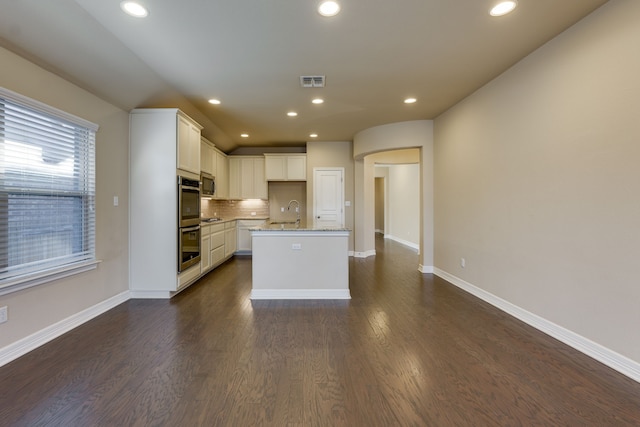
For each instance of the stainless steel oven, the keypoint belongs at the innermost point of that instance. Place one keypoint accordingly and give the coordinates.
(188, 222)
(188, 247)
(188, 202)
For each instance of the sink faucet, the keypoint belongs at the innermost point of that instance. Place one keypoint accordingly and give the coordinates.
(297, 209)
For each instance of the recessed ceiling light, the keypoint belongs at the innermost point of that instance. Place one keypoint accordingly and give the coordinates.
(317, 100)
(244, 135)
(214, 101)
(134, 9)
(313, 135)
(328, 8)
(503, 7)
(292, 114)
(410, 100)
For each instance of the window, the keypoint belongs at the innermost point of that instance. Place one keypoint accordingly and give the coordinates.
(47, 191)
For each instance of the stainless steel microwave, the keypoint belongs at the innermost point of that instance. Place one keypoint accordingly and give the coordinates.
(208, 184)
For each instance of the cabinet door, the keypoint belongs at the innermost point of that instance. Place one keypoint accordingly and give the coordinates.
(244, 239)
(297, 168)
(207, 158)
(230, 241)
(222, 176)
(247, 190)
(260, 187)
(188, 146)
(275, 168)
(205, 254)
(234, 178)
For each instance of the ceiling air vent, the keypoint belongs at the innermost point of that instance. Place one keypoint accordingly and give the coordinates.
(312, 81)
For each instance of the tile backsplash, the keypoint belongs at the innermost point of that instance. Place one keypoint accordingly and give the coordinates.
(280, 194)
(234, 208)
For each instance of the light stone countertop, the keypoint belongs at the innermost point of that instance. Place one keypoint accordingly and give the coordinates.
(292, 226)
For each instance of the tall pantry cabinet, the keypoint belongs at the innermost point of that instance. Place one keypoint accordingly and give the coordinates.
(164, 142)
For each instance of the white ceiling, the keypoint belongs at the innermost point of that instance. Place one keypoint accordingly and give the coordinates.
(251, 53)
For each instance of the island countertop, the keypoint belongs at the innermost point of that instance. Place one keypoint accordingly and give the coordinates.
(293, 227)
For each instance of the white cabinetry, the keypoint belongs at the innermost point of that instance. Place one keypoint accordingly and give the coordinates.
(244, 235)
(153, 236)
(217, 245)
(230, 238)
(213, 246)
(222, 175)
(285, 167)
(188, 144)
(205, 248)
(207, 157)
(246, 178)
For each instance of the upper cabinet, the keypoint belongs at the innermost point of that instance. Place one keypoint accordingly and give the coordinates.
(207, 157)
(222, 175)
(215, 163)
(246, 178)
(188, 144)
(285, 167)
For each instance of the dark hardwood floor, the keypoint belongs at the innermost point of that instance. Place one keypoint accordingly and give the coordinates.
(408, 350)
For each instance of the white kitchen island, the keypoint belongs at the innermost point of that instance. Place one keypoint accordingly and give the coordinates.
(292, 262)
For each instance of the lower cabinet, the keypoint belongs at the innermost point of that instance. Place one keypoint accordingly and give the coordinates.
(230, 238)
(205, 248)
(213, 245)
(244, 235)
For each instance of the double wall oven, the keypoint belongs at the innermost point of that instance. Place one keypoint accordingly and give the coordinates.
(188, 222)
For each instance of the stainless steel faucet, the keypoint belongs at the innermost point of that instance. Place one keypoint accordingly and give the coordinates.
(297, 209)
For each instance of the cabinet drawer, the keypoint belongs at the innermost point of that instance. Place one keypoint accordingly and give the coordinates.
(230, 224)
(217, 255)
(205, 230)
(217, 239)
(216, 227)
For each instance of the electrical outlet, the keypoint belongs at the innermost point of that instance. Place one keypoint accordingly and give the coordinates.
(282, 209)
(4, 316)
(463, 262)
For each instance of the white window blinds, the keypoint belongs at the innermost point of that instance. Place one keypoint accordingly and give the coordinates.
(47, 188)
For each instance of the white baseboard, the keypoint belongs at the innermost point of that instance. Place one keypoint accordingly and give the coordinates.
(257, 294)
(614, 360)
(35, 340)
(365, 254)
(151, 294)
(425, 268)
(402, 241)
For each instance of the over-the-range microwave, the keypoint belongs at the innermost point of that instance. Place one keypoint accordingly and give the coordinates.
(208, 183)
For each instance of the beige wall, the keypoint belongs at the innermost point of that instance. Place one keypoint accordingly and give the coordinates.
(335, 154)
(537, 177)
(404, 204)
(380, 202)
(280, 193)
(38, 307)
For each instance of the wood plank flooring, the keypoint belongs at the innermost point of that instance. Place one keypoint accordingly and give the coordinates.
(408, 350)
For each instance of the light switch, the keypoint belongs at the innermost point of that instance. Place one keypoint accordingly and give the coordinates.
(347, 203)
(115, 201)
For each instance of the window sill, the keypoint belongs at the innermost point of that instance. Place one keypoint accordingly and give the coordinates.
(27, 281)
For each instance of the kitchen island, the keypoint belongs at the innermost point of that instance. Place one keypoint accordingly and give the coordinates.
(295, 262)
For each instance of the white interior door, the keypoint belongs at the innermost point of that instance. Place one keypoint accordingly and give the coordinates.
(328, 197)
